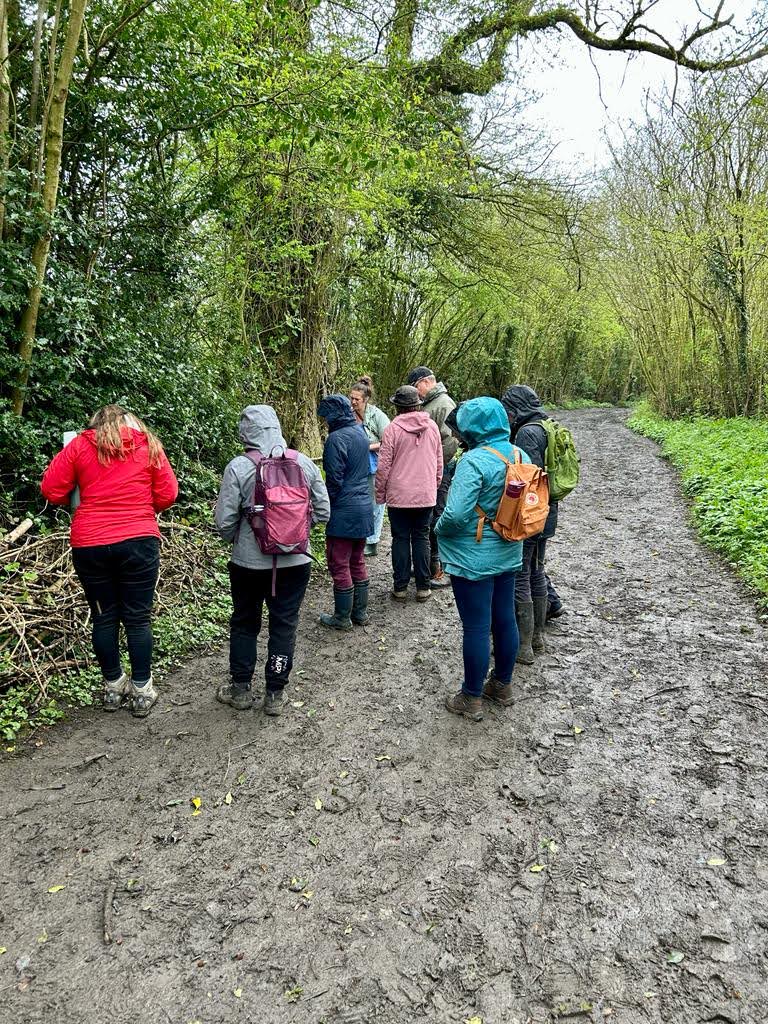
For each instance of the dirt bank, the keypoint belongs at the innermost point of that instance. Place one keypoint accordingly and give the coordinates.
(597, 852)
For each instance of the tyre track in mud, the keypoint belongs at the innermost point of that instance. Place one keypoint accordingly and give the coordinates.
(374, 864)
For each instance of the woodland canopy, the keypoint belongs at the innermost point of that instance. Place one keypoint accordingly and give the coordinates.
(204, 204)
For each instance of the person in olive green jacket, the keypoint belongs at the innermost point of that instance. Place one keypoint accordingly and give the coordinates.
(437, 403)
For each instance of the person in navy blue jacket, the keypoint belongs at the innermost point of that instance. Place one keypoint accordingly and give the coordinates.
(346, 465)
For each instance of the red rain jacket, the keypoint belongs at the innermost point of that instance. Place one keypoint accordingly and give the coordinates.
(117, 501)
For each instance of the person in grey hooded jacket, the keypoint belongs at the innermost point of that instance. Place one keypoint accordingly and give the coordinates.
(251, 571)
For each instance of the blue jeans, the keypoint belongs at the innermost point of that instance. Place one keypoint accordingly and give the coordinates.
(487, 606)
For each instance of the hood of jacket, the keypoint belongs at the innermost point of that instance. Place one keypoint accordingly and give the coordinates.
(132, 438)
(260, 429)
(435, 392)
(522, 404)
(415, 422)
(336, 410)
(483, 421)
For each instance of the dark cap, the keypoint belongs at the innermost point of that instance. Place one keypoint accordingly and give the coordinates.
(419, 373)
(406, 397)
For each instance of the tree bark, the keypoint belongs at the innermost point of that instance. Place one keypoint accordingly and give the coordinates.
(5, 108)
(53, 144)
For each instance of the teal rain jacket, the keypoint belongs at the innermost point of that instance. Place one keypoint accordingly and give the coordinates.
(479, 480)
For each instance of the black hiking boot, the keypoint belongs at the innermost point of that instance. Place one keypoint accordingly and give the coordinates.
(524, 613)
(342, 612)
(274, 702)
(240, 700)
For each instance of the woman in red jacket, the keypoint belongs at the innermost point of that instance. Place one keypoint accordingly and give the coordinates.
(125, 479)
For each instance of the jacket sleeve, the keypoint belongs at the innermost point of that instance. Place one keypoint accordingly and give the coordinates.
(165, 487)
(382, 422)
(533, 441)
(321, 505)
(60, 478)
(385, 465)
(440, 465)
(462, 498)
(448, 441)
(228, 504)
(334, 464)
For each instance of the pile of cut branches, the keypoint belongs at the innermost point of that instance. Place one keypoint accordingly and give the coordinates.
(45, 619)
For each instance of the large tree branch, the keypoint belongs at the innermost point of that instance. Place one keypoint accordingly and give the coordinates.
(451, 72)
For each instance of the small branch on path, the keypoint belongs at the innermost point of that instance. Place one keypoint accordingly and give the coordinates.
(109, 913)
(86, 762)
(664, 689)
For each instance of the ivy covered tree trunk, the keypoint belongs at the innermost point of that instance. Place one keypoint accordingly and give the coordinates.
(53, 142)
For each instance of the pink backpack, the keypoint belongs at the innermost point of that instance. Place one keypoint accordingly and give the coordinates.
(280, 513)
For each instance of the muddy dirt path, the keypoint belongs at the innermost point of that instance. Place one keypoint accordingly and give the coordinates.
(381, 861)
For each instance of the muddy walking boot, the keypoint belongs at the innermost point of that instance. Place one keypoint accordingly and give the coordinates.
(236, 697)
(468, 707)
(342, 610)
(115, 692)
(499, 693)
(142, 698)
(524, 614)
(360, 615)
(539, 621)
(274, 702)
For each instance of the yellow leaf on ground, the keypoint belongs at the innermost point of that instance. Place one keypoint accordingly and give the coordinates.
(473, 1020)
(238, 993)
(308, 894)
(3, 950)
(577, 731)
(196, 802)
(343, 775)
(318, 804)
(43, 938)
(715, 862)
(536, 868)
(228, 798)
(56, 888)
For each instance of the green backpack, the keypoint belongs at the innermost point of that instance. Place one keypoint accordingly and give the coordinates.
(562, 459)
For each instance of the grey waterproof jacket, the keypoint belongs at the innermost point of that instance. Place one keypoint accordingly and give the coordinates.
(437, 404)
(260, 431)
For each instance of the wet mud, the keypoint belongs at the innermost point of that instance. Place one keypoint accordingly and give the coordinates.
(595, 852)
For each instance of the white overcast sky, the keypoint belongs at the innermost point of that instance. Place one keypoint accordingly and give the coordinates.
(570, 104)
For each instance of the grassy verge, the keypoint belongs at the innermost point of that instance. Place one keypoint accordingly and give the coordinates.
(724, 466)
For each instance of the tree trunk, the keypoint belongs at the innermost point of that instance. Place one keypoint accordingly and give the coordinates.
(5, 107)
(54, 139)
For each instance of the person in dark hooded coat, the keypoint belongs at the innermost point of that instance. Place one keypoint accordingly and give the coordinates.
(532, 596)
(347, 467)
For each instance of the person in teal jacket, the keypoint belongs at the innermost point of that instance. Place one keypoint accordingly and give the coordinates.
(483, 575)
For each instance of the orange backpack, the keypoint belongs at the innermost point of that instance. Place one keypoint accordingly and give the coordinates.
(524, 505)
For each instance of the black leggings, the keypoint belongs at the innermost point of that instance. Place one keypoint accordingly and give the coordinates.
(119, 582)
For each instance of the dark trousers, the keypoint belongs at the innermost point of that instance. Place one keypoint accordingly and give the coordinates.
(250, 589)
(119, 581)
(410, 538)
(487, 607)
(346, 561)
(532, 581)
(437, 511)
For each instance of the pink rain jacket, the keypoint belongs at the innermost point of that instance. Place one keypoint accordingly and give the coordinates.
(410, 462)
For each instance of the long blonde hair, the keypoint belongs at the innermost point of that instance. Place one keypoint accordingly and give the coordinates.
(110, 444)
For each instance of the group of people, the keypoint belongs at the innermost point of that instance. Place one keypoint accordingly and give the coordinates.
(437, 469)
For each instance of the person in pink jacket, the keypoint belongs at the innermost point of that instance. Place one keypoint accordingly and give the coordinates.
(409, 472)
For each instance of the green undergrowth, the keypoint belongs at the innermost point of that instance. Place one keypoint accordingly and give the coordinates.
(724, 466)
